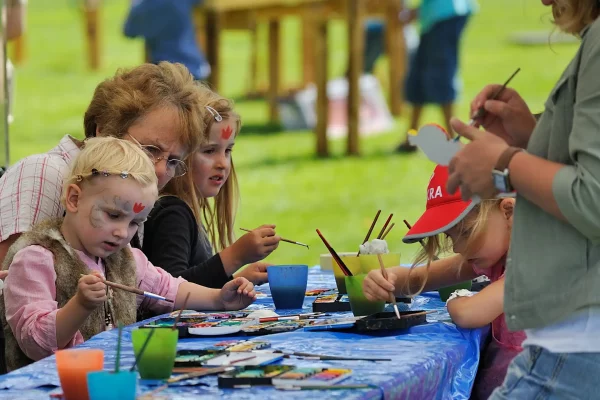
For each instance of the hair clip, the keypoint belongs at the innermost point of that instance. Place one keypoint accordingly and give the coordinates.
(215, 114)
(105, 173)
(79, 178)
(124, 174)
(95, 172)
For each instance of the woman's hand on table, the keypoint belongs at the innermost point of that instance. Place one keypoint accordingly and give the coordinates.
(255, 273)
(471, 168)
(376, 287)
(508, 116)
(237, 294)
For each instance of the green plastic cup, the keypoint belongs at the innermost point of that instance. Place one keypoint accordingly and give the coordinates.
(448, 290)
(358, 302)
(159, 357)
(353, 264)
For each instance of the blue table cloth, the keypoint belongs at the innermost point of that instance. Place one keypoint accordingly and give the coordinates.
(433, 361)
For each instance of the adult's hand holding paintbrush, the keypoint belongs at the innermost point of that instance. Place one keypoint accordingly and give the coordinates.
(506, 116)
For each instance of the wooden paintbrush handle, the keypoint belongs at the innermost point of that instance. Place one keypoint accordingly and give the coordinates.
(124, 287)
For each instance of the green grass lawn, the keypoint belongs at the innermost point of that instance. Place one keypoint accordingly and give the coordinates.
(281, 180)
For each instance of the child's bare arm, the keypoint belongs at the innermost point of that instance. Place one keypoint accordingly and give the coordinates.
(444, 272)
(236, 294)
(480, 309)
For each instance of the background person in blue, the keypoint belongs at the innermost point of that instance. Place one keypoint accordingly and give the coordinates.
(168, 29)
(433, 68)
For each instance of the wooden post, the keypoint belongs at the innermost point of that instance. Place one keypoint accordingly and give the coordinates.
(320, 72)
(213, 45)
(274, 72)
(396, 50)
(355, 63)
(253, 89)
(308, 41)
(19, 49)
(92, 28)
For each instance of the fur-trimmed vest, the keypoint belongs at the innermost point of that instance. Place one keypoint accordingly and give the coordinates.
(119, 267)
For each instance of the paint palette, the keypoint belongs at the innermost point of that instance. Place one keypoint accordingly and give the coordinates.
(282, 376)
(318, 292)
(334, 302)
(244, 359)
(203, 357)
(205, 324)
(267, 328)
(217, 327)
(376, 322)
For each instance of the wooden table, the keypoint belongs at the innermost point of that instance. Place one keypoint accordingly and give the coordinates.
(218, 15)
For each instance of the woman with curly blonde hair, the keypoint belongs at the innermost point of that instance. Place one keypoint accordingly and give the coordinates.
(157, 106)
(553, 266)
(186, 224)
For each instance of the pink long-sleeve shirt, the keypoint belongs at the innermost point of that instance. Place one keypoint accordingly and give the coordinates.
(30, 296)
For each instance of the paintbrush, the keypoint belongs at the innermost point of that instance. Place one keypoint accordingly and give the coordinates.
(291, 317)
(191, 375)
(480, 113)
(282, 239)
(385, 226)
(187, 297)
(435, 258)
(326, 357)
(392, 295)
(335, 256)
(388, 231)
(325, 387)
(135, 290)
(370, 230)
(118, 357)
(142, 350)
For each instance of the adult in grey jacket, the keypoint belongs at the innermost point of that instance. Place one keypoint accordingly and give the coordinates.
(552, 288)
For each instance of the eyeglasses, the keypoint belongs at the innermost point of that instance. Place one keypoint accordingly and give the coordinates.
(175, 167)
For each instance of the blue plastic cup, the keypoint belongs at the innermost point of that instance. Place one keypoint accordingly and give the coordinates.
(288, 285)
(108, 385)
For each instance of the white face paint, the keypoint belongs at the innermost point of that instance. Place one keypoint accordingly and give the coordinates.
(212, 162)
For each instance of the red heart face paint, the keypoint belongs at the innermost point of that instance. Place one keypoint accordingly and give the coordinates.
(226, 132)
(138, 207)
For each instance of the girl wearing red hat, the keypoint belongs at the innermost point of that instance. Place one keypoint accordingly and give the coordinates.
(479, 234)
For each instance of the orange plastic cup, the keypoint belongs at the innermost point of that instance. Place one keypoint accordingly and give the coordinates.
(73, 366)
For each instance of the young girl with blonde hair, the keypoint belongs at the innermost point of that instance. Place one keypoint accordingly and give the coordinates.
(56, 296)
(479, 234)
(184, 226)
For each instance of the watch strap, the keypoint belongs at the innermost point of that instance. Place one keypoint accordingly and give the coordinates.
(505, 158)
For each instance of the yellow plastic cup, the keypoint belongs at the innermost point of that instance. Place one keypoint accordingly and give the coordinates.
(353, 264)
(369, 262)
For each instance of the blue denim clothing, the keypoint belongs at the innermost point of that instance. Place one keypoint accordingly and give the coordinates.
(375, 42)
(168, 28)
(433, 70)
(539, 374)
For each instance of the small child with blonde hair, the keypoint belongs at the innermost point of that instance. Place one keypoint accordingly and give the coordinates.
(56, 296)
(479, 234)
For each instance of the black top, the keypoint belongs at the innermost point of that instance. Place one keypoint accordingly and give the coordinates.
(173, 241)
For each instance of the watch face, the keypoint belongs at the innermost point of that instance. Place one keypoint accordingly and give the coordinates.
(500, 181)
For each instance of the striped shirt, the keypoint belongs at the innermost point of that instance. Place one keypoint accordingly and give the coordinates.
(30, 190)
